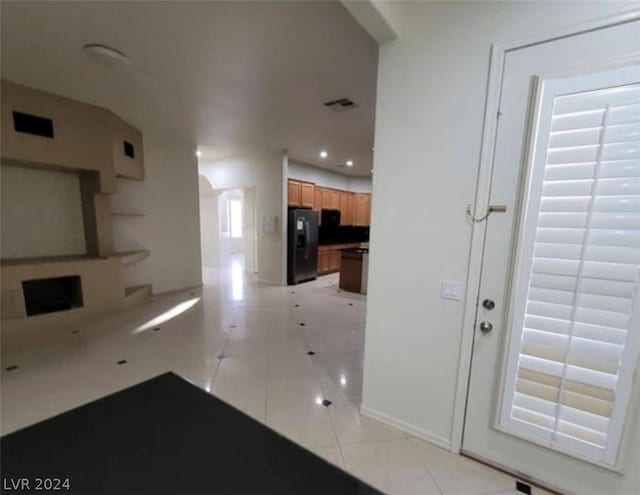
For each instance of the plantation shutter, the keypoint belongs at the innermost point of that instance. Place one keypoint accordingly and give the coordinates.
(576, 325)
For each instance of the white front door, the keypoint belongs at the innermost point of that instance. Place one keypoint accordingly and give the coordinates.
(551, 390)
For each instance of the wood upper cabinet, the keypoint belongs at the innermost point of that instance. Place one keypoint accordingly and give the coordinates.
(300, 194)
(326, 199)
(351, 209)
(307, 198)
(344, 208)
(355, 208)
(363, 209)
(335, 199)
(294, 192)
(317, 199)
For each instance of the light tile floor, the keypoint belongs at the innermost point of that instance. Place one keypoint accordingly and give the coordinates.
(250, 345)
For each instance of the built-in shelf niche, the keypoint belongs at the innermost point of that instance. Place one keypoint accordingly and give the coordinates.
(42, 213)
(128, 257)
(51, 295)
(46, 132)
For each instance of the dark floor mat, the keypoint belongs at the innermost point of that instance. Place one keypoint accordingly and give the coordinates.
(164, 436)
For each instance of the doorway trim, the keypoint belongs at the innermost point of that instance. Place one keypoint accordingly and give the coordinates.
(482, 196)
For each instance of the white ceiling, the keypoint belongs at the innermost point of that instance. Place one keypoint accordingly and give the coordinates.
(222, 75)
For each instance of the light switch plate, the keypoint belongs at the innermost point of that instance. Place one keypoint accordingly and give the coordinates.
(452, 289)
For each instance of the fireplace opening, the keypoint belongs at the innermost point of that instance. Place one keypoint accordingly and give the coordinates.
(50, 295)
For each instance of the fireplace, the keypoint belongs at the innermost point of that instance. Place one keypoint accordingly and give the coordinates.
(50, 295)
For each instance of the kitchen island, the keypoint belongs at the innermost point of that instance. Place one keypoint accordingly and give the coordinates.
(354, 266)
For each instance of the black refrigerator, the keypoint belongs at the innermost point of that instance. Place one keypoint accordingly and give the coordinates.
(302, 246)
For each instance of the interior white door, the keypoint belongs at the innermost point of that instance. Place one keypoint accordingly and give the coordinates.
(551, 385)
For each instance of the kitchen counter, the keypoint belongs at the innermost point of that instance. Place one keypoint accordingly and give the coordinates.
(354, 251)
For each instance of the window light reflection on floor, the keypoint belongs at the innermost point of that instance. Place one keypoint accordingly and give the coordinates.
(178, 309)
(237, 280)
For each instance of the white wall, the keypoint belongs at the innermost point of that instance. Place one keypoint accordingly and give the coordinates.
(249, 231)
(431, 94)
(262, 170)
(209, 225)
(41, 213)
(360, 184)
(170, 227)
(327, 178)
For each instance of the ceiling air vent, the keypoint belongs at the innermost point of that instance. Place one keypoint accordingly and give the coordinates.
(340, 105)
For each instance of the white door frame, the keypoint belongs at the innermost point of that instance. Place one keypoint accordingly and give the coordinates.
(482, 196)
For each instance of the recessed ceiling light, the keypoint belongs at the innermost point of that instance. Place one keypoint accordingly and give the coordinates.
(105, 53)
(323, 154)
(198, 153)
(349, 163)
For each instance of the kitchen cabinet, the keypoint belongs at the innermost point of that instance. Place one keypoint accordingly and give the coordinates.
(335, 199)
(317, 200)
(351, 209)
(326, 198)
(307, 196)
(300, 194)
(294, 191)
(362, 209)
(334, 260)
(355, 208)
(352, 264)
(324, 254)
(345, 218)
(329, 257)
(330, 199)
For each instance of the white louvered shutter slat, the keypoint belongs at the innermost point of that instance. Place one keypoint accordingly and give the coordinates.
(581, 294)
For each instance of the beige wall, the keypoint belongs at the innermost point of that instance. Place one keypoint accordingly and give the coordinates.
(170, 227)
(41, 213)
(83, 139)
(432, 83)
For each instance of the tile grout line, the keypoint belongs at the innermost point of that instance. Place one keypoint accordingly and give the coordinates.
(426, 467)
(324, 395)
(333, 428)
(335, 433)
(224, 348)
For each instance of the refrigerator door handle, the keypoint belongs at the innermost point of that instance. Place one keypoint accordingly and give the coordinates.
(307, 235)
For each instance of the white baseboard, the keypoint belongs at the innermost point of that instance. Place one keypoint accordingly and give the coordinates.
(176, 291)
(443, 442)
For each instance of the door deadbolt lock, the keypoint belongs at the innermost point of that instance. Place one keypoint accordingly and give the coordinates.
(486, 326)
(489, 304)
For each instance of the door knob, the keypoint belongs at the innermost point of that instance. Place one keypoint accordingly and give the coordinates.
(489, 304)
(486, 326)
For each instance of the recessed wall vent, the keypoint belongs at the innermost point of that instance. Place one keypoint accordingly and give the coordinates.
(340, 105)
(32, 124)
(129, 150)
